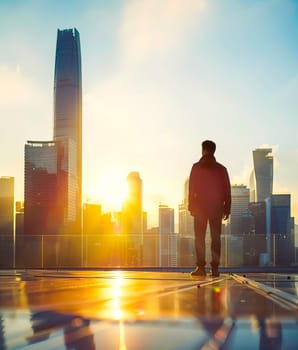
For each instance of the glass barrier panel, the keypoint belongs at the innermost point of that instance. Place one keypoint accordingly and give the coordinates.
(28, 251)
(6, 251)
(141, 251)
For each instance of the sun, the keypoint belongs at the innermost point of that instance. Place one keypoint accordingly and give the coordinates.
(109, 188)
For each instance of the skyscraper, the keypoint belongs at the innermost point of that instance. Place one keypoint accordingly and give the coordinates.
(168, 242)
(166, 219)
(186, 230)
(240, 200)
(261, 182)
(7, 205)
(132, 213)
(186, 223)
(68, 122)
(44, 202)
(258, 211)
(280, 233)
(92, 219)
(132, 218)
(252, 186)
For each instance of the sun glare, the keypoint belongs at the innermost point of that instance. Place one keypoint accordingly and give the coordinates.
(110, 189)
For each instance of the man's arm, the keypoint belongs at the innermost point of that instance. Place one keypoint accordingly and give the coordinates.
(227, 195)
(191, 193)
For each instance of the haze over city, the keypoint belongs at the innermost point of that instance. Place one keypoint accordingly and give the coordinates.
(158, 78)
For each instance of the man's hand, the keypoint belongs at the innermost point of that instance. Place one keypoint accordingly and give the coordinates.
(225, 216)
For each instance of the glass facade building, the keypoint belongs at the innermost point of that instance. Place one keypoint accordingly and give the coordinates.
(240, 200)
(166, 219)
(186, 222)
(280, 233)
(258, 211)
(68, 122)
(262, 174)
(167, 238)
(44, 203)
(7, 205)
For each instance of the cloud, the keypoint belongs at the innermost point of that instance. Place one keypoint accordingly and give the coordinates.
(151, 27)
(22, 96)
(12, 86)
(243, 178)
(25, 107)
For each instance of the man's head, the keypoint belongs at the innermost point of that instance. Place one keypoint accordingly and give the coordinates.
(208, 147)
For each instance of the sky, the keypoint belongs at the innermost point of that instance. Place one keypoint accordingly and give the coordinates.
(159, 77)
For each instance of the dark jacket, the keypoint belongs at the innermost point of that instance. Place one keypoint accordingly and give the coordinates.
(209, 188)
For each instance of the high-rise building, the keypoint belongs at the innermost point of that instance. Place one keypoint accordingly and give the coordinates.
(166, 219)
(240, 200)
(44, 202)
(186, 231)
(132, 219)
(261, 181)
(186, 222)
(7, 206)
(19, 223)
(19, 218)
(92, 219)
(50, 195)
(144, 219)
(280, 235)
(7, 231)
(132, 213)
(68, 122)
(280, 213)
(168, 240)
(258, 211)
(252, 187)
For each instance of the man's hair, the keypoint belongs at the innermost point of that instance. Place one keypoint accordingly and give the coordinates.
(209, 146)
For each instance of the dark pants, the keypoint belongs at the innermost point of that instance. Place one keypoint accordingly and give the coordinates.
(200, 226)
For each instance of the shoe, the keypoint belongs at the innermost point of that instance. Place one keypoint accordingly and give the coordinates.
(214, 272)
(199, 271)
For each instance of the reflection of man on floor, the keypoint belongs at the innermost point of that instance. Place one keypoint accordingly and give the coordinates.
(270, 334)
(77, 332)
(209, 201)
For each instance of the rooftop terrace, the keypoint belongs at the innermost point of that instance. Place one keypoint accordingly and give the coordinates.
(122, 309)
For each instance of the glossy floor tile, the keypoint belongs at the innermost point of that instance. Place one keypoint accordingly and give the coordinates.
(42, 309)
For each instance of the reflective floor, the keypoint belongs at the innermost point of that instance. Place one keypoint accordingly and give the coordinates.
(147, 310)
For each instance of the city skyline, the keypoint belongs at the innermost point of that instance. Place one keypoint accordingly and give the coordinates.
(154, 89)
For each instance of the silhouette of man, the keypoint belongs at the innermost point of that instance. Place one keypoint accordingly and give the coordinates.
(209, 200)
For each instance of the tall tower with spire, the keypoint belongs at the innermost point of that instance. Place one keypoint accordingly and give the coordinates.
(68, 124)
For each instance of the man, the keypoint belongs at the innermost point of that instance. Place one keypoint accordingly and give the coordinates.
(209, 200)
